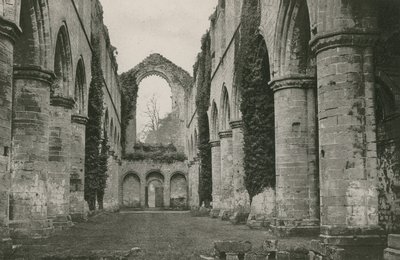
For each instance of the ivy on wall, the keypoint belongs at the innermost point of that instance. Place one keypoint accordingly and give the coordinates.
(129, 89)
(155, 152)
(257, 102)
(202, 73)
(95, 161)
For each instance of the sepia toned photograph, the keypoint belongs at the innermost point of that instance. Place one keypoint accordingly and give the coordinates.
(199, 129)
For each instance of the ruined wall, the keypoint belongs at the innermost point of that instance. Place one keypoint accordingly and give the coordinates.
(148, 170)
(44, 183)
(179, 81)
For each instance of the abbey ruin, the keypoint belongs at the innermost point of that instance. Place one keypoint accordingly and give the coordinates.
(289, 122)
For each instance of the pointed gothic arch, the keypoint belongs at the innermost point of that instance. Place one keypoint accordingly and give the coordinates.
(62, 64)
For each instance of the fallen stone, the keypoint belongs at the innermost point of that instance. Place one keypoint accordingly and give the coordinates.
(238, 247)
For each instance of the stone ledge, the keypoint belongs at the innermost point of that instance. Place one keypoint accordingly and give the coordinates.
(225, 134)
(34, 73)
(394, 241)
(391, 254)
(79, 119)
(343, 38)
(59, 101)
(236, 124)
(293, 81)
(215, 143)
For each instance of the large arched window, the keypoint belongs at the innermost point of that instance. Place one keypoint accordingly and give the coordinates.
(214, 122)
(80, 86)
(62, 64)
(225, 109)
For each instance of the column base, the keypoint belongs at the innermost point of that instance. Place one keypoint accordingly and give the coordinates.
(296, 228)
(5, 248)
(78, 217)
(61, 222)
(30, 229)
(214, 213)
(225, 214)
(239, 217)
(353, 236)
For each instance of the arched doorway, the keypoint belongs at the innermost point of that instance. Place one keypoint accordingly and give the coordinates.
(131, 191)
(179, 191)
(155, 190)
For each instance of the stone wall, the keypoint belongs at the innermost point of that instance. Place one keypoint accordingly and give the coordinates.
(44, 148)
(148, 170)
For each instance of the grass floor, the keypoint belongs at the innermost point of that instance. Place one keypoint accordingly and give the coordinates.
(159, 236)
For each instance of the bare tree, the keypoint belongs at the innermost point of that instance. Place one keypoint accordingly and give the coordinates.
(153, 114)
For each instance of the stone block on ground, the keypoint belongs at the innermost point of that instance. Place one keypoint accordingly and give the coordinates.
(238, 247)
(239, 218)
(200, 212)
(225, 215)
(393, 250)
(214, 213)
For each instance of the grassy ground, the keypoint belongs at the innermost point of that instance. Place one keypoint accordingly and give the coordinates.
(159, 236)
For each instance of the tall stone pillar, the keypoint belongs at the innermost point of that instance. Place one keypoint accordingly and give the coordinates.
(216, 175)
(77, 177)
(297, 197)
(8, 34)
(241, 199)
(347, 138)
(58, 185)
(226, 196)
(167, 190)
(30, 153)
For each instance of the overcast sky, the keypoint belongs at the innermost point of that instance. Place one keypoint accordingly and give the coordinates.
(172, 28)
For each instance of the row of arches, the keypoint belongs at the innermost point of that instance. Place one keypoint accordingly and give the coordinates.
(153, 190)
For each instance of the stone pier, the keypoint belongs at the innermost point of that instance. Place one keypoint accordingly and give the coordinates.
(297, 198)
(216, 175)
(347, 138)
(59, 161)
(241, 199)
(28, 198)
(226, 171)
(77, 178)
(9, 32)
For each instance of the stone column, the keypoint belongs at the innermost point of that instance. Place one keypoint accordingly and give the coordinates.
(347, 138)
(297, 199)
(8, 33)
(226, 171)
(167, 190)
(77, 177)
(28, 199)
(241, 197)
(216, 176)
(58, 186)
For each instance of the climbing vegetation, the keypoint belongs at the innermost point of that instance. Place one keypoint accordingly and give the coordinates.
(156, 152)
(96, 151)
(129, 95)
(257, 102)
(202, 72)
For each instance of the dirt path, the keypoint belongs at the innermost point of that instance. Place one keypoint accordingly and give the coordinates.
(158, 235)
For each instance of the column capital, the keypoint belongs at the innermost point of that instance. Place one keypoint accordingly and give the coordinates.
(59, 101)
(9, 29)
(293, 81)
(340, 39)
(79, 119)
(34, 73)
(236, 124)
(215, 143)
(225, 134)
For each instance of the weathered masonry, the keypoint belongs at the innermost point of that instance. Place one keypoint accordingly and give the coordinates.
(332, 68)
(46, 52)
(291, 120)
